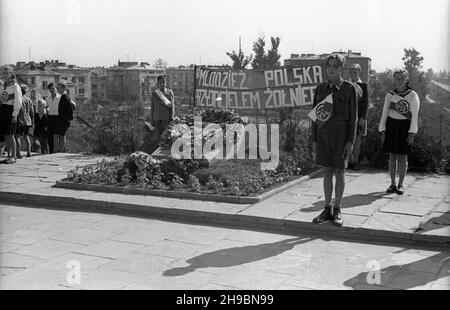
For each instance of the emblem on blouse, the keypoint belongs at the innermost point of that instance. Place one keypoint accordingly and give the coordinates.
(4, 96)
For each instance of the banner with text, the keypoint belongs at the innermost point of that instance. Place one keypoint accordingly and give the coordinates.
(282, 87)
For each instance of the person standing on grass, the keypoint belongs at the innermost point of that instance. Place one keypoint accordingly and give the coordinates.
(24, 122)
(363, 108)
(11, 103)
(41, 126)
(162, 106)
(333, 134)
(398, 127)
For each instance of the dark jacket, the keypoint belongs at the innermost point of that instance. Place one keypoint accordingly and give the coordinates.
(363, 103)
(345, 107)
(65, 108)
(159, 110)
(40, 125)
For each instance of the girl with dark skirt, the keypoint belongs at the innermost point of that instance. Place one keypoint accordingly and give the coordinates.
(10, 105)
(398, 126)
(333, 134)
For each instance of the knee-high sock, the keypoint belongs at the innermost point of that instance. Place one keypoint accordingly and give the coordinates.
(328, 184)
(340, 186)
(392, 166)
(402, 168)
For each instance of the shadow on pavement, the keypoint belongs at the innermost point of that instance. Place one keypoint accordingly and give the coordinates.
(433, 223)
(402, 276)
(351, 201)
(236, 256)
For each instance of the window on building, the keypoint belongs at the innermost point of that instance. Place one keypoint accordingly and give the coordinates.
(33, 94)
(32, 80)
(57, 79)
(44, 84)
(74, 79)
(80, 79)
(81, 91)
(94, 86)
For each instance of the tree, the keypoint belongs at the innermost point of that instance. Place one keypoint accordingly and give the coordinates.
(413, 63)
(430, 75)
(160, 63)
(263, 59)
(259, 61)
(240, 61)
(273, 57)
(412, 60)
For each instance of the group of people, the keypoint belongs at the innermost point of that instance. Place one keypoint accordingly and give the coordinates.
(337, 138)
(50, 117)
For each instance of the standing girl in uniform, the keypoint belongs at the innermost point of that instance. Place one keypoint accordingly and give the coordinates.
(334, 136)
(398, 126)
(10, 105)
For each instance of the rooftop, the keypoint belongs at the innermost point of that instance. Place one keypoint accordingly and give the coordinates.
(349, 53)
(32, 68)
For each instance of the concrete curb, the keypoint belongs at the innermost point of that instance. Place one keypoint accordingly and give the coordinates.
(237, 220)
(185, 195)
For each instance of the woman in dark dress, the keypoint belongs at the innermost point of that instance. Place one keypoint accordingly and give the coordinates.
(398, 126)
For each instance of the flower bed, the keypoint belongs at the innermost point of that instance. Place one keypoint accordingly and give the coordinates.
(228, 177)
(210, 116)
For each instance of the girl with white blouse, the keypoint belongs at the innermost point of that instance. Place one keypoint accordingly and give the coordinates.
(398, 127)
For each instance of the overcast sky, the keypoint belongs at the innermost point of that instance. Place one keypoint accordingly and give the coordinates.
(99, 32)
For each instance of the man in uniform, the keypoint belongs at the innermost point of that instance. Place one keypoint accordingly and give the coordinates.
(162, 106)
(363, 104)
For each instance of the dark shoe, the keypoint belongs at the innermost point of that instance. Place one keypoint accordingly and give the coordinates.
(337, 218)
(400, 190)
(351, 166)
(323, 217)
(11, 160)
(18, 156)
(28, 155)
(392, 189)
(356, 167)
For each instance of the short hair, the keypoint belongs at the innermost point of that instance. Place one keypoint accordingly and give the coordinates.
(61, 84)
(161, 78)
(23, 88)
(10, 70)
(42, 101)
(355, 66)
(338, 58)
(50, 85)
(400, 71)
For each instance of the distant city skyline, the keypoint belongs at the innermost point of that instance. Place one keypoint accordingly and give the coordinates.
(99, 33)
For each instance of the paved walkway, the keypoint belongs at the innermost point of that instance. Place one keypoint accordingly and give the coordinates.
(421, 215)
(56, 249)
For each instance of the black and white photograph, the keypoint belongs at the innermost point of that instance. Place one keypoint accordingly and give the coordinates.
(226, 152)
